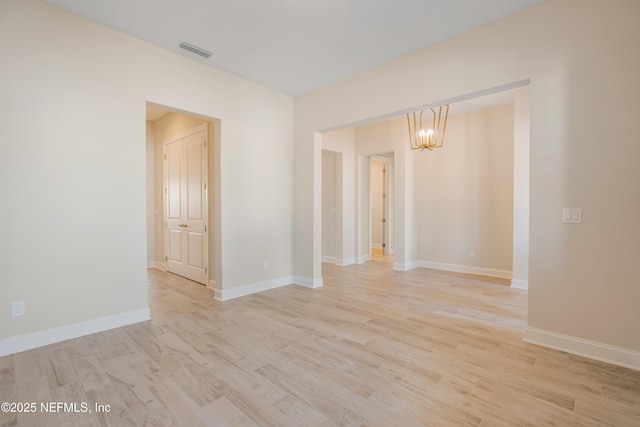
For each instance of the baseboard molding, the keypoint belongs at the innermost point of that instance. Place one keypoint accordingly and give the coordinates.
(50, 336)
(591, 349)
(241, 291)
(160, 266)
(151, 264)
(398, 266)
(457, 268)
(520, 284)
(308, 282)
(211, 284)
(376, 245)
(338, 262)
(364, 258)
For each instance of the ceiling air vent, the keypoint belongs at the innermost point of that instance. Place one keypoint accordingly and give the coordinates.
(195, 49)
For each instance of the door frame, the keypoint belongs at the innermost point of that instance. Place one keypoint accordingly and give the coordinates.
(165, 193)
(387, 206)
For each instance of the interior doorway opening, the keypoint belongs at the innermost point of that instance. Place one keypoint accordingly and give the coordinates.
(469, 214)
(183, 230)
(381, 206)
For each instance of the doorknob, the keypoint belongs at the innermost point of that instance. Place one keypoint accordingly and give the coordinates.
(182, 225)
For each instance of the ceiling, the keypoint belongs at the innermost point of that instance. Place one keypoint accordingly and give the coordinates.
(294, 46)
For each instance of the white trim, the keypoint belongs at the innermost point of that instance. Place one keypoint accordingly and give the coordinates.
(160, 266)
(338, 262)
(457, 268)
(519, 284)
(252, 288)
(364, 258)
(376, 245)
(406, 266)
(586, 348)
(151, 264)
(212, 284)
(308, 282)
(50, 336)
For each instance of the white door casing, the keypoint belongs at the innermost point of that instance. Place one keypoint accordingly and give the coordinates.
(186, 216)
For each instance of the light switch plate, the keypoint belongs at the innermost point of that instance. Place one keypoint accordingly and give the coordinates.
(572, 215)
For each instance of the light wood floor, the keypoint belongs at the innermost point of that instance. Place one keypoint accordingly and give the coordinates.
(372, 347)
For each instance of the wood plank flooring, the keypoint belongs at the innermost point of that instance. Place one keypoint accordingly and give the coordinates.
(373, 347)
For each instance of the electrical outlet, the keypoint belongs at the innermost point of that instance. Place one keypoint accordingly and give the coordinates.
(266, 265)
(17, 308)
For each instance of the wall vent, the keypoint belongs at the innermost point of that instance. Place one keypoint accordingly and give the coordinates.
(195, 49)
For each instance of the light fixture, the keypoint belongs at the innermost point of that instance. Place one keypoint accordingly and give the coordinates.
(427, 133)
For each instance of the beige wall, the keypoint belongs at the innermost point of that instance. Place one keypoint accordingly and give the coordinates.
(377, 205)
(580, 57)
(521, 172)
(464, 192)
(76, 197)
(151, 197)
(341, 143)
(329, 211)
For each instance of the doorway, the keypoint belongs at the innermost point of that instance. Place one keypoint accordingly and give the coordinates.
(183, 212)
(478, 224)
(381, 205)
(185, 204)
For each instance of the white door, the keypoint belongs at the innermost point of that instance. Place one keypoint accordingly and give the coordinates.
(185, 165)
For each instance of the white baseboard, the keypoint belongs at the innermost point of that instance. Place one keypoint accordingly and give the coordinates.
(591, 349)
(519, 284)
(338, 262)
(160, 266)
(308, 282)
(398, 266)
(457, 268)
(364, 258)
(241, 291)
(212, 284)
(151, 264)
(50, 336)
(376, 245)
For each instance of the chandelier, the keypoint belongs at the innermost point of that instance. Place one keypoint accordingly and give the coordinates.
(428, 133)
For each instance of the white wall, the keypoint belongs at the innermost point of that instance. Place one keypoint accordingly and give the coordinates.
(72, 167)
(581, 59)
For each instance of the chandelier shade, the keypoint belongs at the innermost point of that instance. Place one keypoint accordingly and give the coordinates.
(426, 130)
